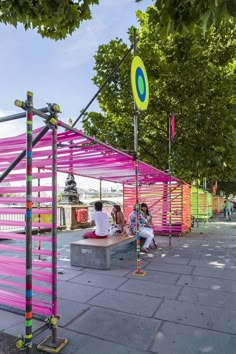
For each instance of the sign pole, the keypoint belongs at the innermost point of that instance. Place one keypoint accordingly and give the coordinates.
(140, 89)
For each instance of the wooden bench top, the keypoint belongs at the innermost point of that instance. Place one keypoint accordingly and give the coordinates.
(105, 242)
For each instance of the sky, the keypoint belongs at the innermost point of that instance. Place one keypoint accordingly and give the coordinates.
(59, 71)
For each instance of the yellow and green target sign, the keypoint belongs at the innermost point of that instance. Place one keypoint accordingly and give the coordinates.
(139, 83)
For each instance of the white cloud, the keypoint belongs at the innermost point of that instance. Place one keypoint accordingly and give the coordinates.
(78, 53)
(80, 48)
(17, 126)
(110, 19)
(13, 127)
(5, 112)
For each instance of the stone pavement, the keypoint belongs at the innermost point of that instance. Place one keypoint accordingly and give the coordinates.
(186, 304)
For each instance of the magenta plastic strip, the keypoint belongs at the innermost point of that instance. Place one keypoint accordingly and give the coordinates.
(21, 200)
(19, 261)
(22, 223)
(21, 177)
(21, 274)
(16, 303)
(13, 236)
(37, 289)
(22, 249)
(16, 211)
(23, 189)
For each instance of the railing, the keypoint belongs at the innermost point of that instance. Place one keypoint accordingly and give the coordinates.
(45, 218)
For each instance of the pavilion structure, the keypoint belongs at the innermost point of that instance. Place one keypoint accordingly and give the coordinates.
(37, 156)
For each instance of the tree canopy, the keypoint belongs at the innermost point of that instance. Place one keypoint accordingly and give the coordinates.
(181, 15)
(59, 18)
(190, 75)
(53, 19)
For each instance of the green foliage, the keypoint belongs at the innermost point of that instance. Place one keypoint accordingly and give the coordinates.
(228, 188)
(53, 19)
(191, 75)
(181, 15)
(56, 19)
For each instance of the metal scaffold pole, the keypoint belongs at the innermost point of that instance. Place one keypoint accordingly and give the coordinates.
(137, 78)
(54, 344)
(28, 220)
(169, 189)
(51, 344)
(138, 261)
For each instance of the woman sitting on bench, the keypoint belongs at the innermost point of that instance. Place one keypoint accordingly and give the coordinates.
(148, 216)
(118, 226)
(145, 229)
(101, 221)
(146, 212)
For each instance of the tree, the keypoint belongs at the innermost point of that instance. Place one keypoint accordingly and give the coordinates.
(58, 18)
(53, 19)
(227, 188)
(182, 15)
(191, 75)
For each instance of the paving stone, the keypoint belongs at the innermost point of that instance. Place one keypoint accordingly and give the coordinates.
(159, 290)
(67, 274)
(208, 297)
(69, 310)
(196, 277)
(213, 262)
(113, 271)
(215, 273)
(84, 344)
(157, 277)
(98, 346)
(208, 317)
(129, 330)
(127, 263)
(173, 338)
(170, 268)
(175, 259)
(9, 319)
(76, 292)
(18, 329)
(95, 279)
(8, 344)
(207, 283)
(126, 302)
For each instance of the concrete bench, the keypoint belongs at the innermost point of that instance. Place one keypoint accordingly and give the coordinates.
(94, 253)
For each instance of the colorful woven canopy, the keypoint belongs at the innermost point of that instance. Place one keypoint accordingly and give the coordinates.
(83, 156)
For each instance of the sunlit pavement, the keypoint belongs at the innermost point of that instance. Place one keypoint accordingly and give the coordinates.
(185, 304)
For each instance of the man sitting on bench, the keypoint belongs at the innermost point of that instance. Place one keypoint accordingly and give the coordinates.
(101, 221)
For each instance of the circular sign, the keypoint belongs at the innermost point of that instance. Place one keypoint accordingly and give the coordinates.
(139, 83)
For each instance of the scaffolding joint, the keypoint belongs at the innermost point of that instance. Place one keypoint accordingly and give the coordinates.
(21, 344)
(21, 104)
(52, 119)
(54, 108)
(52, 321)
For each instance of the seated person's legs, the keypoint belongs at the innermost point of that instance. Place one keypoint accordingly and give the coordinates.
(115, 230)
(148, 235)
(91, 234)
